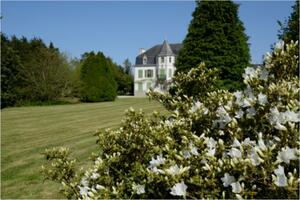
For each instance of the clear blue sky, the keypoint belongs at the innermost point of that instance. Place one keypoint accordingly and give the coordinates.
(119, 29)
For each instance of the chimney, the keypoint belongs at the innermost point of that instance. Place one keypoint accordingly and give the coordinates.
(142, 50)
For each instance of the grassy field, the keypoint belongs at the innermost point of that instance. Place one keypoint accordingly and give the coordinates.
(27, 131)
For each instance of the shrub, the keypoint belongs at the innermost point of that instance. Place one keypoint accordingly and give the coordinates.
(97, 81)
(224, 145)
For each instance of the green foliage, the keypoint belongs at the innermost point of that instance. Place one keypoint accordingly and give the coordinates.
(290, 29)
(34, 71)
(124, 80)
(10, 66)
(227, 145)
(127, 66)
(97, 81)
(62, 169)
(216, 36)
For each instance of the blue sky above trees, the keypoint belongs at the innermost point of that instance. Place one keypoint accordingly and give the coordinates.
(119, 29)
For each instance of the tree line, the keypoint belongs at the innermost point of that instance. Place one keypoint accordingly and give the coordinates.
(33, 72)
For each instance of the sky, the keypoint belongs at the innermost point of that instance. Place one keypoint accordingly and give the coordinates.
(120, 28)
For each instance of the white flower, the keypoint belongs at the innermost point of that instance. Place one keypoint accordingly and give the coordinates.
(194, 150)
(236, 143)
(254, 157)
(264, 74)
(236, 187)
(169, 123)
(239, 97)
(227, 179)
(158, 161)
(139, 189)
(286, 155)
(224, 117)
(175, 170)
(83, 190)
(262, 99)
(211, 143)
(179, 189)
(239, 114)
(157, 171)
(248, 142)
(211, 146)
(280, 179)
(279, 44)
(291, 116)
(246, 103)
(251, 112)
(95, 176)
(196, 106)
(186, 154)
(84, 182)
(211, 152)
(249, 73)
(235, 153)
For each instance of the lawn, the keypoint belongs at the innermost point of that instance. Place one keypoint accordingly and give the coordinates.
(27, 131)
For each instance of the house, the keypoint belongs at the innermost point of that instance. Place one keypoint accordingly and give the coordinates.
(155, 67)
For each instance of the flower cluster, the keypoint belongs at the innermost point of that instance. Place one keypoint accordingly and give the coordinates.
(213, 144)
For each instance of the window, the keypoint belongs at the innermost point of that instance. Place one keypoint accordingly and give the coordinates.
(140, 87)
(149, 85)
(140, 75)
(144, 60)
(162, 74)
(170, 73)
(149, 73)
(170, 59)
(162, 59)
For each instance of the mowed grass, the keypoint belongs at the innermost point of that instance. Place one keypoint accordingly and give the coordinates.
(28, 131)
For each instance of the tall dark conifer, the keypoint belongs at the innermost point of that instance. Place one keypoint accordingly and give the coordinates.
(216, 36)
(290, 30)
(97, 80)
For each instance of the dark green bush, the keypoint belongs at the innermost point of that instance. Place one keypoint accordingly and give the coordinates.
(97, 81)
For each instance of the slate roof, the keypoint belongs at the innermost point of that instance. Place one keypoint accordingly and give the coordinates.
(158, 50)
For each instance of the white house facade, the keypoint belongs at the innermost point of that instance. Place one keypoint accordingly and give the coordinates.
(155, 67)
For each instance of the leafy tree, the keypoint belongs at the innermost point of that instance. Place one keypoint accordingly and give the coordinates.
(97, 80)
(75, 66)
(42, 73)
(290, 29)
(216, 36)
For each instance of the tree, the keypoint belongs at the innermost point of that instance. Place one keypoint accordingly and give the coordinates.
(290, 30)
(122, 77)
(97, 81)
(10, 66)
(127, 66)
(216, 37)
(41, 72)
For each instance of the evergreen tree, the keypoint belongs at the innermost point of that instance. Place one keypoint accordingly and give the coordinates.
(10, 66)
(97, 81)
(290, 30)
(127, 66)
(216, 36)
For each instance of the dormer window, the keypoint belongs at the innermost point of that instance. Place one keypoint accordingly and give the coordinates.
(144, 60)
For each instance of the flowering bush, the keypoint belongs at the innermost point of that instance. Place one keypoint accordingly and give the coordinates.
(214, 144)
